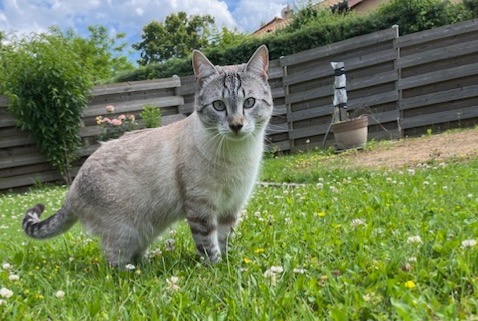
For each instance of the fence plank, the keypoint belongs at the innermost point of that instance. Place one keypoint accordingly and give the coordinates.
(438, 33)
(144, 85)
(352, 64)
(439, 97)
(438, 76)
(338, 47)
(439, 117)
(134, 106)
(457, 50)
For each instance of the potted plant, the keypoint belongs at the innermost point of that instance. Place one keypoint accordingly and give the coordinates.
(348, 132)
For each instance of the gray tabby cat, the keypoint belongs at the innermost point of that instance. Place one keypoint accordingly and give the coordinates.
(202, 169)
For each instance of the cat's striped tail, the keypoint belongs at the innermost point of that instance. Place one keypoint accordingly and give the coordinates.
(56, 224)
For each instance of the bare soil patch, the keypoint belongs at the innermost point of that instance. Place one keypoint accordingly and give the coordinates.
(411, 152)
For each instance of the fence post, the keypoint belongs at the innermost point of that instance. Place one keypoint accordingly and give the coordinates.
(290, 125)
(399, 76)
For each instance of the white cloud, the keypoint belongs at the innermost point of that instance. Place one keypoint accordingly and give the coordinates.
(251, 13)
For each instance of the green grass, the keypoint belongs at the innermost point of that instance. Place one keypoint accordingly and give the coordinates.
(350, 244)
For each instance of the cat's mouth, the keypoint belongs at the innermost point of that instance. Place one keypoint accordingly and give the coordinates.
(237, 136)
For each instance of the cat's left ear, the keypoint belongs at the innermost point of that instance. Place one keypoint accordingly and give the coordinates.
(202, 67)
(259, 62)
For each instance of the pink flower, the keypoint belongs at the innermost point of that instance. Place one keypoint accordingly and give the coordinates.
(122, 117)
(116, 122)
(107, 120)
(110, 108)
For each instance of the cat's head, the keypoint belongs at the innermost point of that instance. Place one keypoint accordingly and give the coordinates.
(234, 101)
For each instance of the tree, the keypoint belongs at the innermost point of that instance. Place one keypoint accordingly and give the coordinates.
(226, 38)
(176, 37)
(105, 56)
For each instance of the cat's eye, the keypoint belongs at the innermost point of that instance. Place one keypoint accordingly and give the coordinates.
(249, 102)
(219, 105)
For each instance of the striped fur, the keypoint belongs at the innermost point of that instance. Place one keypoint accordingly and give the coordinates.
(201, 169)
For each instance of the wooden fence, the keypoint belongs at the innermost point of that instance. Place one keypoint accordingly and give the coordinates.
(409, 84)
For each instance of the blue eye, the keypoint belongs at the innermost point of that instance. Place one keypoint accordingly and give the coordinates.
(249, 102)
(219, 105)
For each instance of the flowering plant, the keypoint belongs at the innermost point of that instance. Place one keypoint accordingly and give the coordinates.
(112, 128)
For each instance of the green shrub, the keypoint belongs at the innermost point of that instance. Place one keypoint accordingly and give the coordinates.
(47, 90)
(151, 116)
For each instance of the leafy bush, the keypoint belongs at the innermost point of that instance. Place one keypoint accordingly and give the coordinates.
(48, 90)
(151, 116)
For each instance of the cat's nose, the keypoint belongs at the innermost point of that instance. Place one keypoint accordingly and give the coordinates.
(236, 123)
(235, 127)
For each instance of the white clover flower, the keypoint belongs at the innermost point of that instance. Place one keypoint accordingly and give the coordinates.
(416, 239)
(13, 277)
(172, 283)
(320, 185)
(299, 270)
(468, 243)
(130, 267)
(6, 266)
(170, 245)
(276, 269)
(59, 294)
(2, 302)
(412, 259)
(5, 293)
(357, 222)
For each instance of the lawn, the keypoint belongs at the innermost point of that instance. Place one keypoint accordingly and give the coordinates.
(343, 244)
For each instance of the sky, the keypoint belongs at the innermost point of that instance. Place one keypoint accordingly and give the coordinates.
(130, 16)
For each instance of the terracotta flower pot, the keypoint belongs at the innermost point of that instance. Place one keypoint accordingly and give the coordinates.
(351, 133)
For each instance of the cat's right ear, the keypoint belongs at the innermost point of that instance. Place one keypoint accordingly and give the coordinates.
(202, 67)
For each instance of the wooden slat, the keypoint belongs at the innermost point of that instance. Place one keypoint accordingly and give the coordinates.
(352, 64)
(423, 57)
(438, 33)
(341, 46)
(28, 180)
(439, 97)
(134, 106)
(352, 85)
(22, 160)
(12, 141)
(438, 76)
(439, 117)
(278, 146)
(7, 121)
(144, 85)
(373, 100)
(274, 129)
(3, 101)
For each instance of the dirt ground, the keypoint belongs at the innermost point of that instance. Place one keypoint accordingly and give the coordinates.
(411, 152)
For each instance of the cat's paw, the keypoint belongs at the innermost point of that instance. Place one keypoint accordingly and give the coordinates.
(213, 257)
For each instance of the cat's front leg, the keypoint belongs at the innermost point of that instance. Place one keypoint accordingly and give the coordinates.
(205, 235)
(225, 226)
